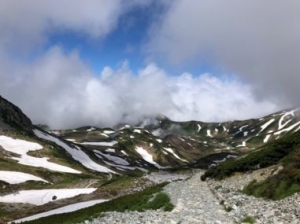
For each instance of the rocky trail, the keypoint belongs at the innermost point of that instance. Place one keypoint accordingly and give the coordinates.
(194, 201)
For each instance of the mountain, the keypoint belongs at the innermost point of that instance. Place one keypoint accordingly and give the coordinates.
(41, 170)
(164, 143)
(11, 117)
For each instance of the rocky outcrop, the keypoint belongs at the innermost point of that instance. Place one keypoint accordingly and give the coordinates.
(11, 117)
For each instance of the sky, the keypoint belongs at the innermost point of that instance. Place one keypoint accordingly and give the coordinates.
(69, 63)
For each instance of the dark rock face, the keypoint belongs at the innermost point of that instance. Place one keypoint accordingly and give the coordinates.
(11, 117)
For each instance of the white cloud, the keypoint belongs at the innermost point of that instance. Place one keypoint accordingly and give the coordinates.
(259, 40)
(60, 90)
(26, 25)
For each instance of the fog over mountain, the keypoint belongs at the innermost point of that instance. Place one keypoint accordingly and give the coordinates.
(256, 43)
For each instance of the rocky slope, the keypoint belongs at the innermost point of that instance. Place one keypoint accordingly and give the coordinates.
(12, 117)
(214, 202)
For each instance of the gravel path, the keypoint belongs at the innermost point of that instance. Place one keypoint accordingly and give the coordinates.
(194, 202)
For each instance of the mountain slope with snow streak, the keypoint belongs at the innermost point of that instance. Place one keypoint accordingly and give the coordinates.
(22, 147)
(75, 152)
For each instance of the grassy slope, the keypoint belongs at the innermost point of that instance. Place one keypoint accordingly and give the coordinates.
(150, 198)
(286, 182)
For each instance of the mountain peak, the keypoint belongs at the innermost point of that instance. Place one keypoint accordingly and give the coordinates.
(12, 117)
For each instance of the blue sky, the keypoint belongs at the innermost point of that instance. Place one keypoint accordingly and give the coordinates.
(125, 42)
(101, 62)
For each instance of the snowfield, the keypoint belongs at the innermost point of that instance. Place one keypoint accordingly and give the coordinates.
(109, 144)
(174, 154)
(65, 209)
(115, 159)
(13, 177)
(22, 147)
(146, 156)
(40, 197)
(75, 152)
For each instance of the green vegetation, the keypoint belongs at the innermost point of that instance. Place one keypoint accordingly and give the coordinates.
(248, 219)
(265, 156)
(151, 198)
(285, 151)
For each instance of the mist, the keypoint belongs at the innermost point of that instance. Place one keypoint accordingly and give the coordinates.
(257, 40)
(61, 91)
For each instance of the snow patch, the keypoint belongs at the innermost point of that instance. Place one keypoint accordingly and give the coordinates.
(13, 177)
(110, 150)
(91, 129)
(264, 126)
(174, 154)
(199, 127)
(109, 144)
(114, 159)
(287, 129)
(108, 132)
(61, 210)
(242, 145)
(266, 139)
(146, 156)
(21, 147)
(75, 152)
(281, 120)
(137, 131)
(40, 197)
(122, 151)
(208, 133)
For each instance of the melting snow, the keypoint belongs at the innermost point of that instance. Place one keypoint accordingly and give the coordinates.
(21, 148)
(114, 159)
(287, 129)
(91, 129)
(40, 197)
(13, 177)
(242, 145)
(264, 126)
(245, 133)
(125, 127)
(76, 153)
(146, 156)
(65, 209)
(71, 139)
(208, 133)
(159, 140)
(199, 127)
(280, 122)
(105, 135)
(266, 139)
(108, 132)
(241, 128)
(174, 154)
(110, 150)
(182, 139)
(100, 143)
(122, 151)
(137, 131)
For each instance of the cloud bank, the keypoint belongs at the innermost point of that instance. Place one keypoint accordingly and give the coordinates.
(61, 91)
(258, 40)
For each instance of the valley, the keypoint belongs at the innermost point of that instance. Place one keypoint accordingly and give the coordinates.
(44, 173)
